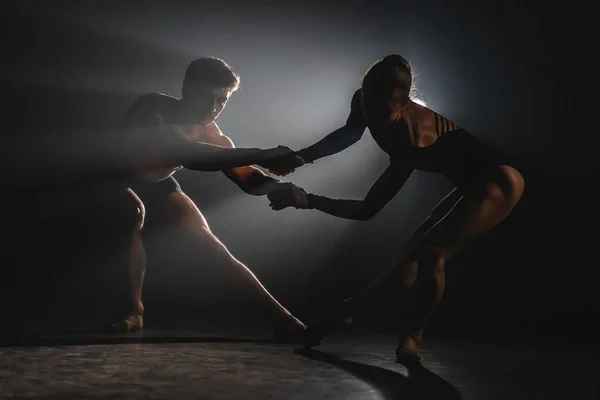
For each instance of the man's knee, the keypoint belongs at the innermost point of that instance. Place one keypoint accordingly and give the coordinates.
(140, 218)
(140, 210)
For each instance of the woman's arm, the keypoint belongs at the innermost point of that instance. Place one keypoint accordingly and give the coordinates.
(341, 138)
(382, 191)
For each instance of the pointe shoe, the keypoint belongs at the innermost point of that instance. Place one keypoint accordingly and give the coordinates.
(407, 352)
(129, 324)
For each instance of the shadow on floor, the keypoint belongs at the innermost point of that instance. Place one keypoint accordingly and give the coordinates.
(420, 383)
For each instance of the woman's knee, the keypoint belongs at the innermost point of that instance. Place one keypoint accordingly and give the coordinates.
(431, 261)
(407, 274)
(507, 185)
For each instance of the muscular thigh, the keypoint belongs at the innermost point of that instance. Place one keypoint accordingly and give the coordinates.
(483, 205)
(183, 209)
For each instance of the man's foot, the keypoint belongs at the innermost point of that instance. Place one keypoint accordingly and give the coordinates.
(340, 319)
(407, 352)
(129, 324)
(318, 330)
(289, 331)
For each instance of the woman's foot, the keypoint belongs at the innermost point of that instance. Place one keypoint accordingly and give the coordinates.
(133, 322)
(407, 352)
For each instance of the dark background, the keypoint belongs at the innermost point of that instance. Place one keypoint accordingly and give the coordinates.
(512, 73)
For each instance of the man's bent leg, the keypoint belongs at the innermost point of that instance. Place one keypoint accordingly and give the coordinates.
(137, 266)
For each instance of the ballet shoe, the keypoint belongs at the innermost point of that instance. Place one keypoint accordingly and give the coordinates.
(129, 324)
(407, 351)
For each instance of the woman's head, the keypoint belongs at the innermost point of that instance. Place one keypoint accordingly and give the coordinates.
(387, 83)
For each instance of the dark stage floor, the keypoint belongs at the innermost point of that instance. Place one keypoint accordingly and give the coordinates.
(216, 365)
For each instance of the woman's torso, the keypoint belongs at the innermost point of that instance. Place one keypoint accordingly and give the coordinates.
(425, 140)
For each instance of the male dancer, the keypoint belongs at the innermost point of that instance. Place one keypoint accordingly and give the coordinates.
(165, 134)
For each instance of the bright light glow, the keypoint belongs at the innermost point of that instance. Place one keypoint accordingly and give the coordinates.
(419, 101)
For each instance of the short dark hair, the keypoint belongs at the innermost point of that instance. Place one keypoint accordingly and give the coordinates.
(212, 72)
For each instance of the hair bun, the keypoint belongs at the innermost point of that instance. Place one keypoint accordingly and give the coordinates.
(397, 60)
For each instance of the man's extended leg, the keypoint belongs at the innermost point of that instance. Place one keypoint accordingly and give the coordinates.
(194, 222)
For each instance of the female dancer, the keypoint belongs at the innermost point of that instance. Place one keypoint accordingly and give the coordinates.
(414, 137)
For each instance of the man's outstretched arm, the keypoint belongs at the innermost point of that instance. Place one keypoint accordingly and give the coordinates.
(147, 137)
(250, 179)
(209, 157)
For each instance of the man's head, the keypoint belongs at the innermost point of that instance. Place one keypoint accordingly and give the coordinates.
(208, 84)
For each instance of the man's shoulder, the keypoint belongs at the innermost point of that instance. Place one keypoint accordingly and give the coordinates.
(212, 134)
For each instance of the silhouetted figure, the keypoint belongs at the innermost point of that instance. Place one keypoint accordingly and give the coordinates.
(415, 138)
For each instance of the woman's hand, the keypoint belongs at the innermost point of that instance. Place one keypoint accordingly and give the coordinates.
(284, 165)
(294, 196)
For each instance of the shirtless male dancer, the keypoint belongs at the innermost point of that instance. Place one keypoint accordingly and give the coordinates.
(164, 134)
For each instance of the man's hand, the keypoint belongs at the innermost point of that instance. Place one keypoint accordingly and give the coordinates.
(273, 186)
(284, 165)
(294, 196)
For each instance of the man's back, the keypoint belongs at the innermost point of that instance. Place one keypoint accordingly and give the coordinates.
(145, 138)
(149, 110)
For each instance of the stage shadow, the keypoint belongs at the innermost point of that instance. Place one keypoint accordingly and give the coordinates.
(420, 384)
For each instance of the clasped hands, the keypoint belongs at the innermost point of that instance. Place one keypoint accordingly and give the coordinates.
(290, 195)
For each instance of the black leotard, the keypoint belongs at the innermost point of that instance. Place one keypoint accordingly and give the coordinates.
(456, 154)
